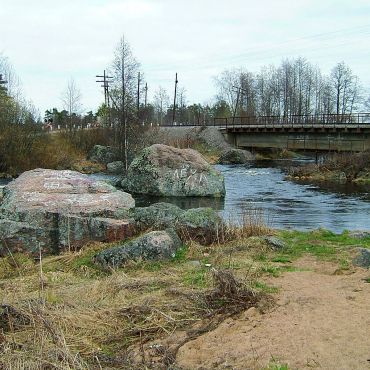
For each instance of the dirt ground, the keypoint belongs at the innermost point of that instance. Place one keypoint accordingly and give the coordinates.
(321, 320)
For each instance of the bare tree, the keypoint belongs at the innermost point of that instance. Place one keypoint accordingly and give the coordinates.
(346, 88)
(124, 69)
(161, 103)
(71, 99)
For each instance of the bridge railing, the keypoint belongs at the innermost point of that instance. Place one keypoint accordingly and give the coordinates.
(316, 120)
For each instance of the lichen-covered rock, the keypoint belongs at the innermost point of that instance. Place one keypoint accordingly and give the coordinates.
(52, 210)
(155, 245)
(116, 167)
(158, 216)
(166, 171)
(103, 154)
(235, 156)
(362, 258)
(201, 224)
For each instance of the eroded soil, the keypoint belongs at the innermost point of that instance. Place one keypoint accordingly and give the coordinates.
(321, 320)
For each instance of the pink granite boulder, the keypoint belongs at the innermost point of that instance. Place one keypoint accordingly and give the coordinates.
(54, 210)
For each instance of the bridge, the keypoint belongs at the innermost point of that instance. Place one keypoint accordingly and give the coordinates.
(324, 132)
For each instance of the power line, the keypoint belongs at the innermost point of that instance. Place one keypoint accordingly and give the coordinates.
(267, 48)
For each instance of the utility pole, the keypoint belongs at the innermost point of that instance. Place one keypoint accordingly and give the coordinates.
(145, 103)
(146, 94)
(138, 96)
(174, 102)
(3, 82)
(106, 81)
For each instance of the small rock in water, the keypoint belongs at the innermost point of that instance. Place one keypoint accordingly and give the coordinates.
(235, 156)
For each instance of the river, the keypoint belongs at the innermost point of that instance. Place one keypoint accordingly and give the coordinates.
(284, 204)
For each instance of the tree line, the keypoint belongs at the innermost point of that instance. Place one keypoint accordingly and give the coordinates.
(294, 87)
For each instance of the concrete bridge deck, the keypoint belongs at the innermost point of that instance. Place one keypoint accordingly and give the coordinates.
(347, 132)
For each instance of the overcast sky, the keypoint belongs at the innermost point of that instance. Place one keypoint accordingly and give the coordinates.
(50, 41)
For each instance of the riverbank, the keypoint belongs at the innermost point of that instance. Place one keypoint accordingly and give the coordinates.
(341, 168)
(68, 313)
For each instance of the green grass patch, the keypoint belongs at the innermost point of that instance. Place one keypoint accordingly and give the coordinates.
(150, 266)
(274, 366)
(181, 254)
(260, 285)
(16, 265)
(321, 243)
(281, 259)
(196, 278)
(276, 271)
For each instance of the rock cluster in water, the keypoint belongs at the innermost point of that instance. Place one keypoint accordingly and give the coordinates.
(49, 211)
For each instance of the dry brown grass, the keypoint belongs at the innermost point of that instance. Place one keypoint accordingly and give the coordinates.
(253, 222)
(24, 148)
(80, 317)
(349, 164)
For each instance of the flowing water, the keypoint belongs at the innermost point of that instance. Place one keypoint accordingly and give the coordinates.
(284, 204)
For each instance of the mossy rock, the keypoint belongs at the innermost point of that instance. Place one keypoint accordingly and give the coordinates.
(162, 170)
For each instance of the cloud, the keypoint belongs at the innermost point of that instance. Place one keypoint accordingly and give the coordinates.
(51, 41)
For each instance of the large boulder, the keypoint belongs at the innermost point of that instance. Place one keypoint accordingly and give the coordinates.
(201, 224)
(167, 171)
(102, 154)
(158, 216)
(235, 156)
(152, 246)
(55, 210)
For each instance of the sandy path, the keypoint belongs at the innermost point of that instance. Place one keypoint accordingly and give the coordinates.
(321, 320)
